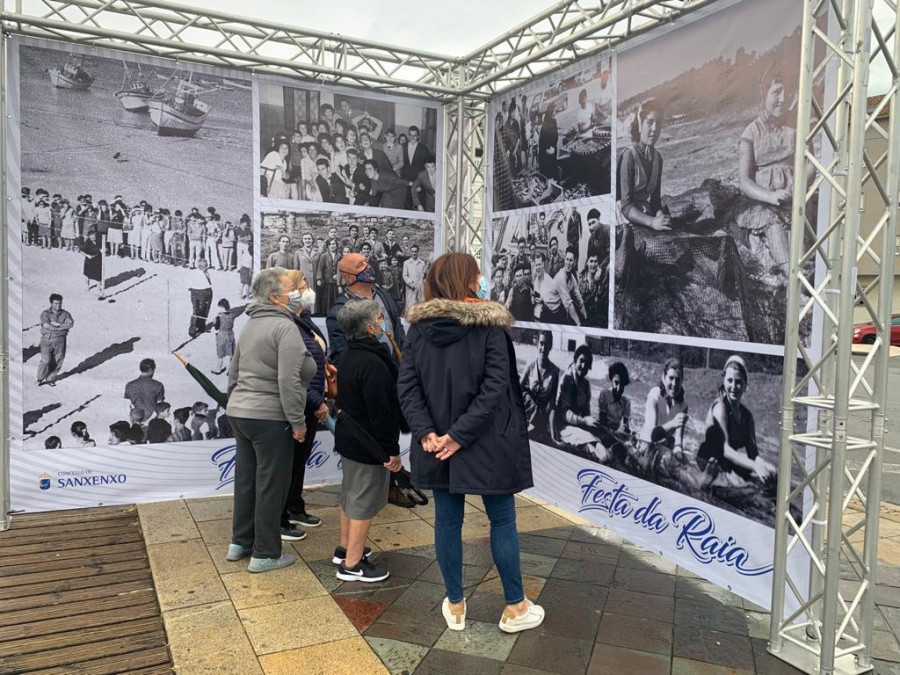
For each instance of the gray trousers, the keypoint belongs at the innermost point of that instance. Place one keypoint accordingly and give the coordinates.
(53, 353)
(262, 476)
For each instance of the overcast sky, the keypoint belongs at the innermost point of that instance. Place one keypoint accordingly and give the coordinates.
(454, 28)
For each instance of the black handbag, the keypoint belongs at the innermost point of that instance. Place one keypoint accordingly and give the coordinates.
(401, 492)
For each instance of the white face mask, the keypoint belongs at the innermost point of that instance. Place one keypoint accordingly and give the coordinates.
(308, 297)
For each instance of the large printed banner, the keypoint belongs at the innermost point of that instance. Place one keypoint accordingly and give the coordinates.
(639, 234)
(150, 193)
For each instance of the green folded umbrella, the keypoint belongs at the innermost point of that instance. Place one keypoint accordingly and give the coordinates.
(207, 385)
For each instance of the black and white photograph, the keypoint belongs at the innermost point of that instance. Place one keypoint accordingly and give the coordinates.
(137, 243)
(322, 145)
(702, 422)
(552, 266)
(705, 148)
(552, 144)
(399, 251)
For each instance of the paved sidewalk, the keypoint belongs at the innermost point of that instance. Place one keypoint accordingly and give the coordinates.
(612, 607)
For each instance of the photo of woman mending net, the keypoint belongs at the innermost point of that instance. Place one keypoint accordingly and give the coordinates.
(702, 422)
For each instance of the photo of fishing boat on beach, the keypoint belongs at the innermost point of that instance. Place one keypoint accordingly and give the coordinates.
(135, 94)
(176, 110)
(71, 75)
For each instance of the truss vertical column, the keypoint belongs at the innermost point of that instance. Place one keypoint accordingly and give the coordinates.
(830, 631)
(4, 301)
(465, 125)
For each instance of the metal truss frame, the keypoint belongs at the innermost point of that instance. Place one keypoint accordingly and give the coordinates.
(828, 629)
(831, 629)
(566, 31)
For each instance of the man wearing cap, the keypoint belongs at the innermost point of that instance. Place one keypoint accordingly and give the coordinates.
(598, 241)
(358, 278)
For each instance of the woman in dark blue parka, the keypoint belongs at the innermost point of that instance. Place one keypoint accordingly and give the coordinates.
(459, 390)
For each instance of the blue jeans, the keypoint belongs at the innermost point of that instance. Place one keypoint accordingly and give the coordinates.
(501, 511)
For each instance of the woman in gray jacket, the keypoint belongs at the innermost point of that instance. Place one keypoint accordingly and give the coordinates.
(267, 381)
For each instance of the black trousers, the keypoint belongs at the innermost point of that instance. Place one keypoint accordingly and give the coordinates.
(261, 480)
(302, 451)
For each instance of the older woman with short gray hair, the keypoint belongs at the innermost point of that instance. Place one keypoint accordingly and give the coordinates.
(267, 381)
(367, 435)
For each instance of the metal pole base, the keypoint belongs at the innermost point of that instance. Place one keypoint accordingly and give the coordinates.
(808, 662)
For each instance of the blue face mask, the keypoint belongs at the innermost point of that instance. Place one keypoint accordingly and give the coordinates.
(482, 292)
(367, 276)
(383, 328)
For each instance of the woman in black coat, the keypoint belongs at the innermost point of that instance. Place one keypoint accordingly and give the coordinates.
(459, 390)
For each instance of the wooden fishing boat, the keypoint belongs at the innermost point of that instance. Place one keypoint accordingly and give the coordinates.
(179, 113)
(135, 94)
(71, 75)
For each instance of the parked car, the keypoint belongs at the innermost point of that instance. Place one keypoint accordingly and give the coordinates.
(865, 332)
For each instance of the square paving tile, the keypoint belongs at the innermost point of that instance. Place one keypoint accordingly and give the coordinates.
(644, 582)
(393, 536)
(472, 574)
(343, 657)
(574, 621)
(292, 625)
(709, 646)
(885, 646)
(515, 669)
(579, 550)
(316, 499)
(290, 583)
(533, 518)
(533, 586)
(325, 573)
(548, 546)
(710, 614)
(184, 574)
(688, 667)
(530, 563)
(699, 589)
(209, 639)
(166, 521)
(385, 592)
(638, 558)
(565, 592)
(609, 660)
(396, 514)
(419, 626)
(362, 613)
(441, 662)
(766, 664)
(555, 654)
(641, 605)
(632, 633)
(398, 657)
(401, 564)
(214, 508)
(584, 571)
(216, 531)
(485, 607)
(478, 639)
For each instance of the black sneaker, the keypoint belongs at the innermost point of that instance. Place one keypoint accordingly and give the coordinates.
(291, 533)
(340, 554)
(364, 571)
(304, 519)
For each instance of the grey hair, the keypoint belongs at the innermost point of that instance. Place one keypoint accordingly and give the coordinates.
(266, 283)
(355, 316)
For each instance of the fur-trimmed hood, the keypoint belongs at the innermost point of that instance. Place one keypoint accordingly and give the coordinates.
(465, 313)
(446, 321)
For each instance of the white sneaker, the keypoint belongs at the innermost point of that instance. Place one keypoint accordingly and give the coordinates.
(456, 619)
(510, 623)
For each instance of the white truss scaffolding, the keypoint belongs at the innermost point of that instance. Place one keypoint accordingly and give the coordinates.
(831, 631)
